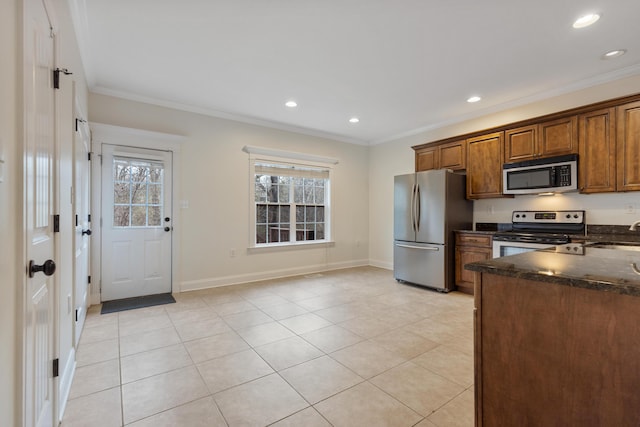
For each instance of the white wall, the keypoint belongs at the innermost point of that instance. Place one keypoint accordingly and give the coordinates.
(609, 208)
(214, 180)
(10, 212)
(396, 157)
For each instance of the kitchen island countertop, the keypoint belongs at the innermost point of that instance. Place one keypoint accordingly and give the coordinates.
(574, 264)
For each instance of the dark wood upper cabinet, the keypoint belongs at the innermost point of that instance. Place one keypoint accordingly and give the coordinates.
(628, 147)
(606, 136)
(427, 159)
(597, 151)
(520, 143)
(548, 139)
(452, 155)
(558, 137)
(484, 166)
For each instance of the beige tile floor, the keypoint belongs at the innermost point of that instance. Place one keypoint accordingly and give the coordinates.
(343, 348)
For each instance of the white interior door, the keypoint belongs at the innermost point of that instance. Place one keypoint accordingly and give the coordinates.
(136, 222)
(82, 186)
(39, 317)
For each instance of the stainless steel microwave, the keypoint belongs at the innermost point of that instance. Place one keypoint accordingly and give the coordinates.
(549, 175)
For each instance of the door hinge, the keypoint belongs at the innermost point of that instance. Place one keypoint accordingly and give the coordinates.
(89, 218)
(56, 363)
(56, 223)
(56, 76)
(76, 220)
(76, 314)
(79, 121)
(88, 279)
(89, 156)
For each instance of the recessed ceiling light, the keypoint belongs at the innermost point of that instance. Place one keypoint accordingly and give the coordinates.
(354, 120)
(586, 20)
(291, 104)
(474, 99)
(614, 53)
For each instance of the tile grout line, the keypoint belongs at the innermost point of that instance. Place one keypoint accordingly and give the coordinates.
(345, 287)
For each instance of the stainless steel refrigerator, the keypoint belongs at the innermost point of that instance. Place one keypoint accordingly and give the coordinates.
(428, 207)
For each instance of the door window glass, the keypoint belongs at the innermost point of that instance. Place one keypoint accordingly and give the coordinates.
(137, 192)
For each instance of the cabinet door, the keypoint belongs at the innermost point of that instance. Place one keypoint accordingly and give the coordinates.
(426, 159)
(465, 255)
(558, 137)
(453, 156)
(520, 143)
(484, 166)
(628, 147)
(597, 151)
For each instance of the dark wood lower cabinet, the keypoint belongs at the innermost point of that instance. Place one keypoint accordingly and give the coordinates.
(470, 247)
(553, 355)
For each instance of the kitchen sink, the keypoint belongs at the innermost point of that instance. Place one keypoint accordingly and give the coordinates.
(622, 246)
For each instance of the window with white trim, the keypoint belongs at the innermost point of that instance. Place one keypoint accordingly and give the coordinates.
(291, 202)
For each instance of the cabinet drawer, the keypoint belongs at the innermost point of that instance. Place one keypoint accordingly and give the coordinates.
(480, 240)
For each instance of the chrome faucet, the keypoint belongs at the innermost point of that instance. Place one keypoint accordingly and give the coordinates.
(634, 225)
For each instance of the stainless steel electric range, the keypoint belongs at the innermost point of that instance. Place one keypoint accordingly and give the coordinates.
(532, 230)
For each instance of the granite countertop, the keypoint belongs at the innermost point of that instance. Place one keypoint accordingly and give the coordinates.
(574, 264)
(480, 232)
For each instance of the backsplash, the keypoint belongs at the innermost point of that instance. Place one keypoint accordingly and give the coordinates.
(606, 209)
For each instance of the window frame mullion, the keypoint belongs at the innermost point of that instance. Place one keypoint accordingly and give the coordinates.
(293, 205)
(292, 213)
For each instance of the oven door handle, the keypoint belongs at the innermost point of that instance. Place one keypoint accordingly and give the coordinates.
(522, 239)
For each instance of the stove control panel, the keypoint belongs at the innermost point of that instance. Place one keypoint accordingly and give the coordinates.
(548, 217)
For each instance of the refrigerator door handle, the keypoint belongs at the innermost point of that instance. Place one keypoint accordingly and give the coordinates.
(418, 202)
(413, 207)
(424, 248)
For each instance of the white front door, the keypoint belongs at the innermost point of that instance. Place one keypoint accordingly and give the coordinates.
(82, 185)
(136, 222)
(39, 245)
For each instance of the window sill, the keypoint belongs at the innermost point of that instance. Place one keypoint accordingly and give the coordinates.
(290, 246)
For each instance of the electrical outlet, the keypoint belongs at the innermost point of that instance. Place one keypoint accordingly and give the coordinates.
(630, 208)
(232, 253)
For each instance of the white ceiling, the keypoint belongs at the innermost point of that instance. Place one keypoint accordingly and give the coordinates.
(401, 66)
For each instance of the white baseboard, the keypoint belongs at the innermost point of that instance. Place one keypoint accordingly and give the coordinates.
(214, 282)
(381, 264)
(66, 379)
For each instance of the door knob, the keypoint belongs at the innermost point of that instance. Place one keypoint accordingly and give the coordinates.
(48, 268)
(167, 229)
(87, 232)
(167, 219)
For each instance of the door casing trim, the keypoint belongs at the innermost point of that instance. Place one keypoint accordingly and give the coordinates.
(136, 138)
